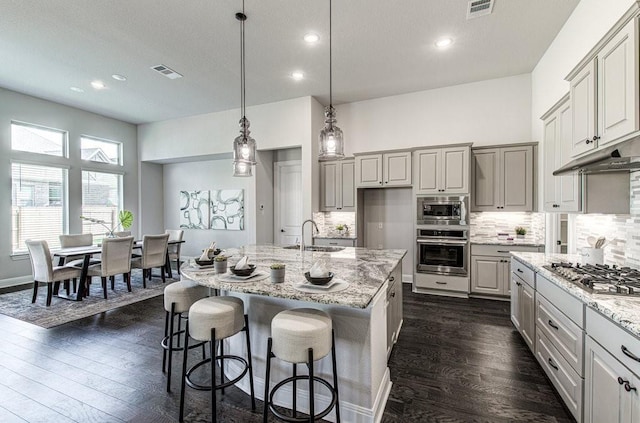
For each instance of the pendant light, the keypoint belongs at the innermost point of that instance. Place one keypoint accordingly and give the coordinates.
(244, 147)
(331, 138)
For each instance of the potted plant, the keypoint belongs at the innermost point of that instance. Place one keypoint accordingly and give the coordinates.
(520, 231)
(125, 220)
(220, 264)
(342, 229)
(277, 272)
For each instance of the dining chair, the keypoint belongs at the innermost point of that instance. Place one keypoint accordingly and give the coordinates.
(44, 271)
(116, 260)
(174, 249)
(71, 241)
(154, 254)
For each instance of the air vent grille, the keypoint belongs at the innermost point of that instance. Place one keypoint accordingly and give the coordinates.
(479, 8)
(166, 71)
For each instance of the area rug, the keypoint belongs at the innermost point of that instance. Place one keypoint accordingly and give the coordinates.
(18, 304)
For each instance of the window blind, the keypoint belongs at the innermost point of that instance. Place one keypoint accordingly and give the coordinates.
(101, 199)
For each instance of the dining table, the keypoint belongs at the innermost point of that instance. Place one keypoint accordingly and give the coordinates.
(87, 252)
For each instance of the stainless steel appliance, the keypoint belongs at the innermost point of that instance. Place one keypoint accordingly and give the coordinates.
(443, 250)
(599, 279)
(442, 210)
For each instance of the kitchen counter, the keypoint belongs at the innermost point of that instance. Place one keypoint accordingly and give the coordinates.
(621, 309)
(359, 318)
(365, 270)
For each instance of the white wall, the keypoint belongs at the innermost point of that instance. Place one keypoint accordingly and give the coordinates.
(263, 172)
(207, 175)
(15, 106)
(496, 111)
(151, 199)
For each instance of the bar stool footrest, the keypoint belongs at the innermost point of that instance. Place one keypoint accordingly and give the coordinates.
(200, 387)
(301, 419)
(165, 343)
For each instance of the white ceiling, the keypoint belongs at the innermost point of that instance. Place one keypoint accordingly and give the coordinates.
(380, 48)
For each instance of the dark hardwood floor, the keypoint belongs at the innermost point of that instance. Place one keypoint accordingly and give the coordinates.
(456, 361)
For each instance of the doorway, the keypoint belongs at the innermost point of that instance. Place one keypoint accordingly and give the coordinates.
(287, 192)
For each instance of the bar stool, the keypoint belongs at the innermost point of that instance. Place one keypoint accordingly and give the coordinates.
(301, 336)
(178, 297)
(215, 319)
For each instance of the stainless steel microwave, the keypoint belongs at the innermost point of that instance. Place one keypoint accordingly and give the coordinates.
(450, 210)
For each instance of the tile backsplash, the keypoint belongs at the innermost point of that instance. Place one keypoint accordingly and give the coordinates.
(485, 226)
(327, 222)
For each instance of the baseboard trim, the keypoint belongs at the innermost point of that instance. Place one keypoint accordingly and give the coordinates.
(20, 280)
(407, 278)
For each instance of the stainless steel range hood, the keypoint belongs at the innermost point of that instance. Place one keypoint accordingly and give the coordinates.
(620, 157)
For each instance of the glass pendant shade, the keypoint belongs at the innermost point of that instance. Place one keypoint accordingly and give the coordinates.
(244, 147)
(331, 139)
(242, 169)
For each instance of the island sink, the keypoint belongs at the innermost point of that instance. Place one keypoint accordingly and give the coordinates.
(320, 248)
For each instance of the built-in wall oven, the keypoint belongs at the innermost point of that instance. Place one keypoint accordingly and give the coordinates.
(443, 251)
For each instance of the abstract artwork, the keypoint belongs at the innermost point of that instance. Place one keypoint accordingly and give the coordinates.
(216, 209)
(227, 209)
(194, 209)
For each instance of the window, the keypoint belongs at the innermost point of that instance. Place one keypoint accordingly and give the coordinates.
(101, 151)
(37, 204)
(38, 139)
(101, 199)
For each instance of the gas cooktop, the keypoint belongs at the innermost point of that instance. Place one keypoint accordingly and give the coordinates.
(599, 279)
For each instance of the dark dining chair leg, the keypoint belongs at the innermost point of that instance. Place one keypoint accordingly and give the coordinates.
(66, 287)
(56, 287)
(104, 286)
(127, 279)
(162, 274)
(75, 285)
(177, 268)
(144, 277)
(113, 282)
(49, 293)
(35, 291)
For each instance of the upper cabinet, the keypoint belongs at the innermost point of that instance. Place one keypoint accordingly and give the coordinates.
(442, 170)
(561, 193)
(604, 91)
(383, 170)
(337, 186)
(502, 178)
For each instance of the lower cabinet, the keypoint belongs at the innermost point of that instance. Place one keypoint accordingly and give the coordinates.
(523, 309)
(490, 268)
(394, 308)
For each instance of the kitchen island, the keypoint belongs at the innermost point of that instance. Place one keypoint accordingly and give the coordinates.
(359, 314)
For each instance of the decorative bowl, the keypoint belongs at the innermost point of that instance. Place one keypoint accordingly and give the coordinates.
(319, 281)
(243, 272)
(203, 262)
(212, 254)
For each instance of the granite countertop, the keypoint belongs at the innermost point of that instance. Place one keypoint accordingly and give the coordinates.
(621, 309)
(365, 270)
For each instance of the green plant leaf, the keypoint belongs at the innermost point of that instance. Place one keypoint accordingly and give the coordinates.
(126, 218)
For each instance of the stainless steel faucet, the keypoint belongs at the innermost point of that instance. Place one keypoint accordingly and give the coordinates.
(315, 226)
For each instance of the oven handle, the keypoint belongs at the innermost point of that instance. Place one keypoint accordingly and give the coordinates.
(441, 241)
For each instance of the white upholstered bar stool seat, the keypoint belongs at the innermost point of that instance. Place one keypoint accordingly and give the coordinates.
(214, 319)
(301, 335)
(178, 298)
(295, 331)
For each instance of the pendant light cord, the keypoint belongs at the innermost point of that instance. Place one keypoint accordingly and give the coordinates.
(330, 62)
(242, 65)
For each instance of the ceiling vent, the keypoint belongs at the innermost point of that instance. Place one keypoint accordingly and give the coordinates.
(166, 71)
(479, 8)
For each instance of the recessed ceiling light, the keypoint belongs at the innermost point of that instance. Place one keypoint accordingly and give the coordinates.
(311, 38)
(118, 77)
(444, 42)
(98, 85)
(297, 75)
(76, 89)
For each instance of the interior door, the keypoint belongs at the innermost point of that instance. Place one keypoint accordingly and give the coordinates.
(288, 202)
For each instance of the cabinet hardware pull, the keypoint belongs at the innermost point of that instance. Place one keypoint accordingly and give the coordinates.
(629, 388)
(629, 354)
(441, 283)
(503, 251)
(392, 278)
(552, 364)
(519, 270)
(281, 230)
(553, 325)
(595, 138)
(588, 141)
(333, 243)
(393, 294)
(622, 381)
(518, 283)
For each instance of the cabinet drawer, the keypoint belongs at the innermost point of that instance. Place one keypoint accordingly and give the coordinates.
(561, 299)
(566, 336)
(525, 273)
(568, 383)
(620, 343)
(341, 242)
(444, 283)
(500, 250)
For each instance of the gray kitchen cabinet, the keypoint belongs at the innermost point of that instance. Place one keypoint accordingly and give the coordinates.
(491, 268)
(503, 178)
(523, 303)
(442, 170)
(604, 91)
(337, 186)
(338, 242)
(561, 193)
(394, 307)
(380, 170)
